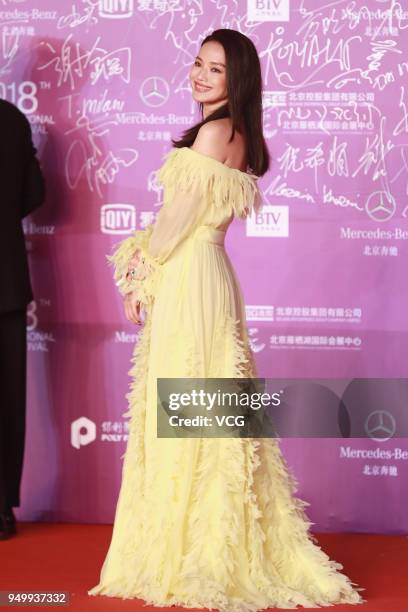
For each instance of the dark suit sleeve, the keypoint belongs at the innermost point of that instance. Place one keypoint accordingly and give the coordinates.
(33, 182)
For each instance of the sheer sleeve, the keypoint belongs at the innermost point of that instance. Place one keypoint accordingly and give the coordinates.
(175, 222)
(192, 183)
(147, 250)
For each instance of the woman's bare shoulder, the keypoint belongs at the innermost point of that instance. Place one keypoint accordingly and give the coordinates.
(212, 139)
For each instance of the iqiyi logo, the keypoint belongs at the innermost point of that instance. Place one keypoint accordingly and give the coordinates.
(118, 218)
(115, 9)
(83, 432)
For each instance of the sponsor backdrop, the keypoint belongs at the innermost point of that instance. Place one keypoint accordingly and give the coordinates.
(323, 267)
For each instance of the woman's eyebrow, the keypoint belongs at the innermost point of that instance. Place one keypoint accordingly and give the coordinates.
(218, 63)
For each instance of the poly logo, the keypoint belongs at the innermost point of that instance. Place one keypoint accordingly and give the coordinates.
(118, 218)
(115, 9)
(83, 438)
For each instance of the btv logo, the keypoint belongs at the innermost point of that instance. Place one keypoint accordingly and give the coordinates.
(271, 221)
(115, 9)
(268, 10)
(118, 219)
(83, 438)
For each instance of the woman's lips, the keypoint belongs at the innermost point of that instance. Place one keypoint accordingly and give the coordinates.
(199, 87)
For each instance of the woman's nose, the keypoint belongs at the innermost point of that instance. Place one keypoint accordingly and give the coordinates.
(202, 74)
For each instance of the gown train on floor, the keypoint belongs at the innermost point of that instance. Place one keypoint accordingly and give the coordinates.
(204, 522)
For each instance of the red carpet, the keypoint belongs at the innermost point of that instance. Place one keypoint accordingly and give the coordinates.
(68, 557)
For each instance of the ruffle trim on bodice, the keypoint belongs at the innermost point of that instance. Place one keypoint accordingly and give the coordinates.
(184, 169)
(230, 188)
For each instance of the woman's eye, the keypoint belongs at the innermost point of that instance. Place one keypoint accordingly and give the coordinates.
(197, 63)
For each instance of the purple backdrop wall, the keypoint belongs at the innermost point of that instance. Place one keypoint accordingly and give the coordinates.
(323, 268)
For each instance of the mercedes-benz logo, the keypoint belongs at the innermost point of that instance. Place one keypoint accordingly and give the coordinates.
(380, 206)
(380, 425)
(154, 91)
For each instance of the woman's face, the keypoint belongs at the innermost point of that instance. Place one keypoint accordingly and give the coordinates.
(208, 76)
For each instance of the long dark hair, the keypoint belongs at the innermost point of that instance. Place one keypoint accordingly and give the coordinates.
(244, 90)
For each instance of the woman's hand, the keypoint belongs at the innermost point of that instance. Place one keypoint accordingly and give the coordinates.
(135, 259)
(132, 308)
(136, 268)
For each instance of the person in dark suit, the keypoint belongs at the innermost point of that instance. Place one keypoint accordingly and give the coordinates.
(23, 190)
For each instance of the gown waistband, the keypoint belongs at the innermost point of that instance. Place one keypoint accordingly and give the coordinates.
(210, 234)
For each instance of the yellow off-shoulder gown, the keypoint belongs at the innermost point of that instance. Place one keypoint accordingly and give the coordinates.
(204, 522)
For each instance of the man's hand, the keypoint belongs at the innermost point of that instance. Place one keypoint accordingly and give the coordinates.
(132, 308)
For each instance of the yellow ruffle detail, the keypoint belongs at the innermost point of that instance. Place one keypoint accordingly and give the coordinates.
(226, 187)
(243, 516)
(147, 269)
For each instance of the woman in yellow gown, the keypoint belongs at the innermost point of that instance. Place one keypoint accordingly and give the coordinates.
(205, 522)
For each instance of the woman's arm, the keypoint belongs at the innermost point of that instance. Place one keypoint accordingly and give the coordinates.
(188, 192)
